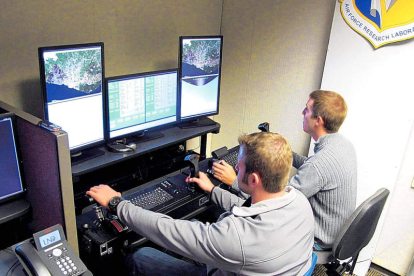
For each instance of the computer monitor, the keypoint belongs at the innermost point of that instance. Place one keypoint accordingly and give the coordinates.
(138, 106)
(11, 178)
(72, 79)
(199, 78)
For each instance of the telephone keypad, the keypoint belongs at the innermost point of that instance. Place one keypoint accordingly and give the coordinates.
(66, 265)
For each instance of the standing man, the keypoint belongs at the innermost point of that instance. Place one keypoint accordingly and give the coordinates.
(269, 234)
(329, 177)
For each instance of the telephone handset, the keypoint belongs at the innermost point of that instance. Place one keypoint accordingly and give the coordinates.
(48, 253)
(30, 260)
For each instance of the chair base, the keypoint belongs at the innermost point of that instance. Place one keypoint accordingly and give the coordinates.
(337, 269)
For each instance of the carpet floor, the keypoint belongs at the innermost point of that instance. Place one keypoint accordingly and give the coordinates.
(320, 271)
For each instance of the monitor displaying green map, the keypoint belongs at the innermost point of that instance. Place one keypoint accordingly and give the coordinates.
(141, 102)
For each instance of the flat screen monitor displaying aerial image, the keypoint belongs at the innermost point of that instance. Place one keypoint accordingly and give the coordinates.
(200, 73)
(72, 79)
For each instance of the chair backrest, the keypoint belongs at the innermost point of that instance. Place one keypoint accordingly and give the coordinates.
(360, 227)
(314, 258)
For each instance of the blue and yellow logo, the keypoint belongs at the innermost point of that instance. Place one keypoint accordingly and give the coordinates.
(380, 21)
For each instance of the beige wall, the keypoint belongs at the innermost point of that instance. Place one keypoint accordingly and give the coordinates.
(384, 157)
(139, 36)
(395, 248)
(274, 53)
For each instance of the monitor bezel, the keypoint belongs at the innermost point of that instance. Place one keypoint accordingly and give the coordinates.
(41, 50)
(200, 115)
(108, 139)
(23, 191)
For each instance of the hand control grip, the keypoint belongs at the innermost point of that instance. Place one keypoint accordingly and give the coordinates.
(194, 169)
(264, 127)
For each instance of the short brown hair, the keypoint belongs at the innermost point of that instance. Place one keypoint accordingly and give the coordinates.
(270, 155)
(331, 107)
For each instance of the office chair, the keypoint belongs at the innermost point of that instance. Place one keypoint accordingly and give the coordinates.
(314, 258)
(354, 235)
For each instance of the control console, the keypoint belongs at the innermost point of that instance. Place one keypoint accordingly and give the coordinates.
(98, 236)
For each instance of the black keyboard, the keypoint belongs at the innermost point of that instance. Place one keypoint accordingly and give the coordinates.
(151, 198)
(228, 155)
(231, 158)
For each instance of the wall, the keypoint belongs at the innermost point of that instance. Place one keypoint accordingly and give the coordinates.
(395, 248)
(139, 36)
(273, 58)
(377, 87)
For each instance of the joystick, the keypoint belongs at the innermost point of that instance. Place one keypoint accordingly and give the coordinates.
(91, 200)
(108, 221)
(264, 127)
(194, 169)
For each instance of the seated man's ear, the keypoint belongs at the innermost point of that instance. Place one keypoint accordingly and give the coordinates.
(320, 121)
(254, 179)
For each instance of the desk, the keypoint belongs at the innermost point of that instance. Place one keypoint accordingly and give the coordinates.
(100, 249)
(13, 209)
(13, 216)
(124, 171)
(103, 251)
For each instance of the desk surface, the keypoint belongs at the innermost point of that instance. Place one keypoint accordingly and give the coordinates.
(13, 209)
(172, 135)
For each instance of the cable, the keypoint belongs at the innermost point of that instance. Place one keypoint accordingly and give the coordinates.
(199, 145)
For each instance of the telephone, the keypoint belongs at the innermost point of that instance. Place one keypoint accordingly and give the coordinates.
(48, 253)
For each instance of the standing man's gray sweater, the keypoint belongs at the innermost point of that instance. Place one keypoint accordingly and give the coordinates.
(329, 180)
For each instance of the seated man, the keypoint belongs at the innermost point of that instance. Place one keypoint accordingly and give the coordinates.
(269, 234)
(329, 177)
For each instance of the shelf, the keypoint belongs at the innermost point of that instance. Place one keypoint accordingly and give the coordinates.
(13, 209)
(172, 135)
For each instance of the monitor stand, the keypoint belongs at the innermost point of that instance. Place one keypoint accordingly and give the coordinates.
(145, 137)
(130, 144)
(201, 122)
(84, 155)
